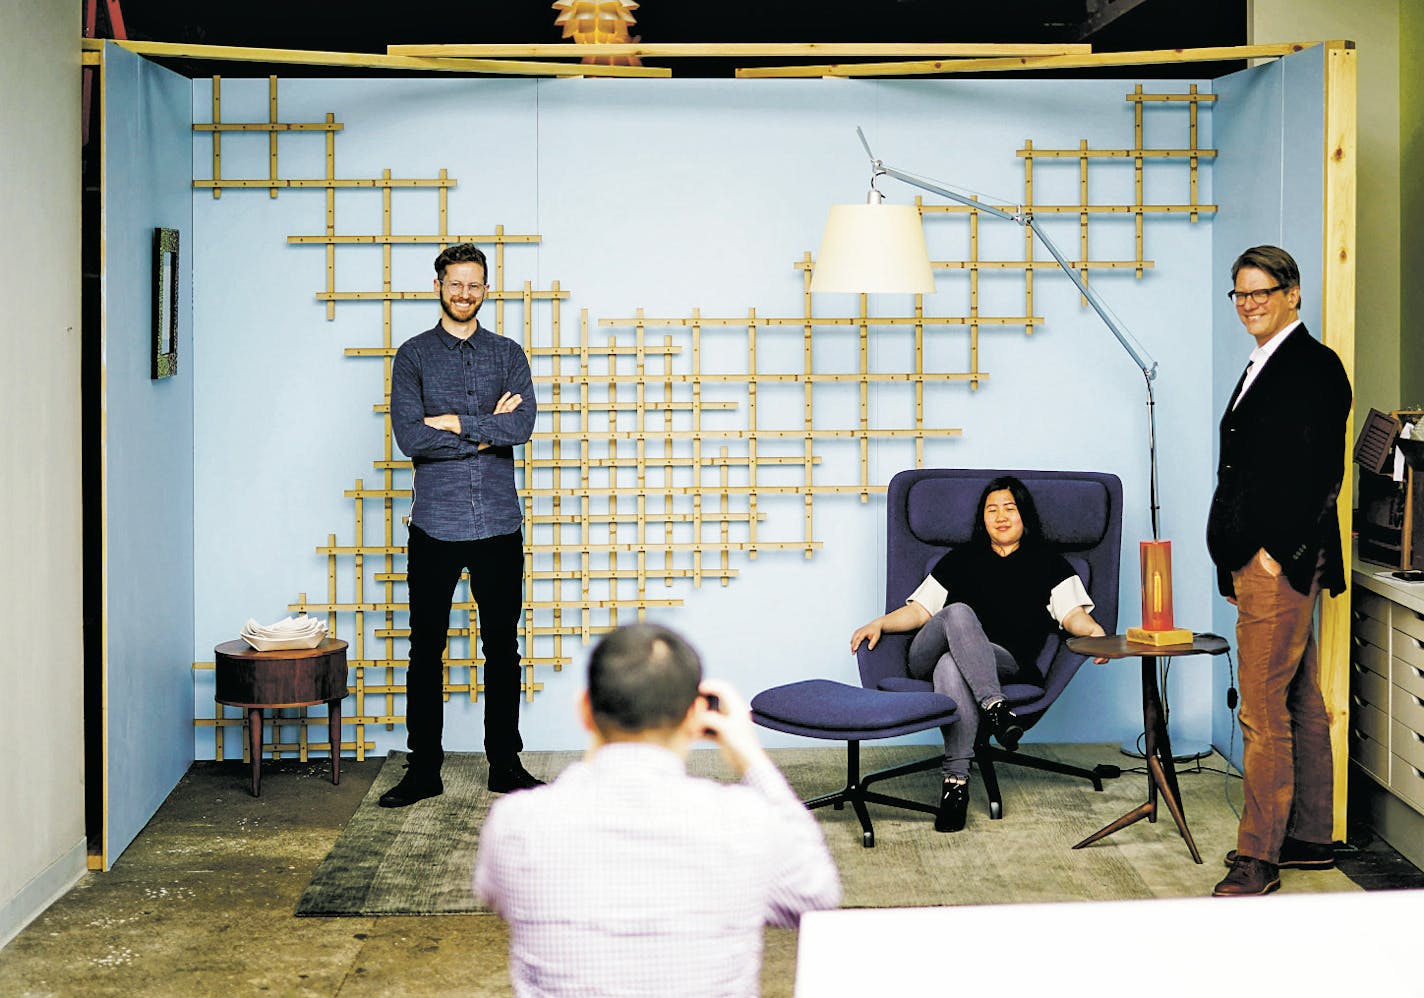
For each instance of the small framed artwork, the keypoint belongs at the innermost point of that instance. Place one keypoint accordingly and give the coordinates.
(165, 303)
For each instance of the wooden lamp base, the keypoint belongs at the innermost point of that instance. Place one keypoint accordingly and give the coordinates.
(1159, 639)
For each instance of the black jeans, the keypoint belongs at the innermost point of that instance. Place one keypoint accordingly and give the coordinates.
(496, 566)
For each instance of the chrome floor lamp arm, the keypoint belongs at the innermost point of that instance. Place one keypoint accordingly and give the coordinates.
(1139, 355)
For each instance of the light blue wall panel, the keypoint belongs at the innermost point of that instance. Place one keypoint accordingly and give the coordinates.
(1270, 182)
(148, 446)
(679, 195)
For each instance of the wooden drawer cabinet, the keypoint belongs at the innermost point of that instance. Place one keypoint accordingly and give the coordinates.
(1369, 755)
(1408, 677)
(1369, 688)
(1364, 603)
(1386, 736)
(1408, 649)
(1387, 688)
(1367, 655)
(1406, 621)
(1406, 708)
(1369, 720)
(1372, 631)
(1370, 684)
(1407, 783)
(1408, 744)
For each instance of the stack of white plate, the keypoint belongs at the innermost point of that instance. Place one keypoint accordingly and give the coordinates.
(294, 632)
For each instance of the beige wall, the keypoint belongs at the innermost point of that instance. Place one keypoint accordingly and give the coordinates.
(42, 849)
(1373, 25)
(1411, 147)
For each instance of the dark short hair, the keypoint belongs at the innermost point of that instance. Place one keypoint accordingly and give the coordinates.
(1273, 260)
(642, 677)
(460, 253)
(1028, 512)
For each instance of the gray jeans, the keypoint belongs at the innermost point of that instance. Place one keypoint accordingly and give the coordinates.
(953, 651)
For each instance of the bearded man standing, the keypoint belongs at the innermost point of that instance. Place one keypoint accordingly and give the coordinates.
(462, 397)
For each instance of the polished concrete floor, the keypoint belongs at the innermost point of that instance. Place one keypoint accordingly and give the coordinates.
(201, 904)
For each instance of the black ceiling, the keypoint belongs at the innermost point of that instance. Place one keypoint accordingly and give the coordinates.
(371, 25)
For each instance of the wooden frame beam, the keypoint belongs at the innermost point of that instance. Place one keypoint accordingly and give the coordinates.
(733, 50)
(368, 60)
(1093, 60)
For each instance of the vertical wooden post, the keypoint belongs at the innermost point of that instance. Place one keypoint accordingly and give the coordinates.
(973, 324)
(1337, 303)
(1137, 219)
(1028, 241)
(330, 218)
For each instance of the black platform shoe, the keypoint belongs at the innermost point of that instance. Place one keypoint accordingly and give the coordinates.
(1003, 724)
(953, 807)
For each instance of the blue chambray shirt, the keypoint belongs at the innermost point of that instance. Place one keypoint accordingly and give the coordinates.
(462, 493)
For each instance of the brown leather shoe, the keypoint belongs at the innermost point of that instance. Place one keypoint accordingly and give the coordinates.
(1297, 854)
(1249, 877)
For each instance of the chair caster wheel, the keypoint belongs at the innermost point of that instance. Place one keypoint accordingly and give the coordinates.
(867, 839)
(996, 810)
(839, 805)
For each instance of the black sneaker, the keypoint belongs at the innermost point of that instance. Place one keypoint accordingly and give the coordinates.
(953, 807)
(1003, 724)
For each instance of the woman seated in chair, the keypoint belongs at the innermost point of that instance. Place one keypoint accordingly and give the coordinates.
(984, 614)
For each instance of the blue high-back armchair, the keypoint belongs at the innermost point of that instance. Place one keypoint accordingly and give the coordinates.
(929, 511)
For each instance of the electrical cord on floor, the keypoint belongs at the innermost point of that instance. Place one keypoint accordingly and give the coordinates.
(1232, 699)
(1164, 675)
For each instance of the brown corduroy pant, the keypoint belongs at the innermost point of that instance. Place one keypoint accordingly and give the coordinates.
(1285, 730)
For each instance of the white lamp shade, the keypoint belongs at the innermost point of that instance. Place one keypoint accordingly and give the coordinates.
(873, 249)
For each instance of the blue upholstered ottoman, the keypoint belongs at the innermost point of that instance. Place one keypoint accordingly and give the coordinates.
(823, 708)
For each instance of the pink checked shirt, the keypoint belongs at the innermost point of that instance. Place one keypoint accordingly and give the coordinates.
(628, 877)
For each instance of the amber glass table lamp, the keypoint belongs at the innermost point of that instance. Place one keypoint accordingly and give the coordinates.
(1157, 628)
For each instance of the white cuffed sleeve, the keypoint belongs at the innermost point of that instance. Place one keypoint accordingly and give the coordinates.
(1067, 596)
(931, 595)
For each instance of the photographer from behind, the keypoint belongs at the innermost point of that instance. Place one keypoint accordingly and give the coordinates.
(628, 876)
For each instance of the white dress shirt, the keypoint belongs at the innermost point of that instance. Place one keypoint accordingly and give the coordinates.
(1258, 359)
(628, 877)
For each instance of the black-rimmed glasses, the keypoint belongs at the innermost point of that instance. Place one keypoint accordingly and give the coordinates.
(1257, 297)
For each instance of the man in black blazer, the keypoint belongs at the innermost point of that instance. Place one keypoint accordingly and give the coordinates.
(1275, 538)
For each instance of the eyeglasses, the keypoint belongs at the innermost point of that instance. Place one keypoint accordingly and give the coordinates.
(456, 288)
(1257, 297)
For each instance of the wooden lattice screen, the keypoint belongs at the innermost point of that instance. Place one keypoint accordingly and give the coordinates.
(649, 482)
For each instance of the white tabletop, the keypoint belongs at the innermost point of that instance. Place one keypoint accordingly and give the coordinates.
(1294, 944)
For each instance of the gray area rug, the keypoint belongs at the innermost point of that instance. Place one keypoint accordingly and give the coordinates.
(418, 860)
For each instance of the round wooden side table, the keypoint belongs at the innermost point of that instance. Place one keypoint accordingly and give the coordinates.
(288, 677)
(1161, 768)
